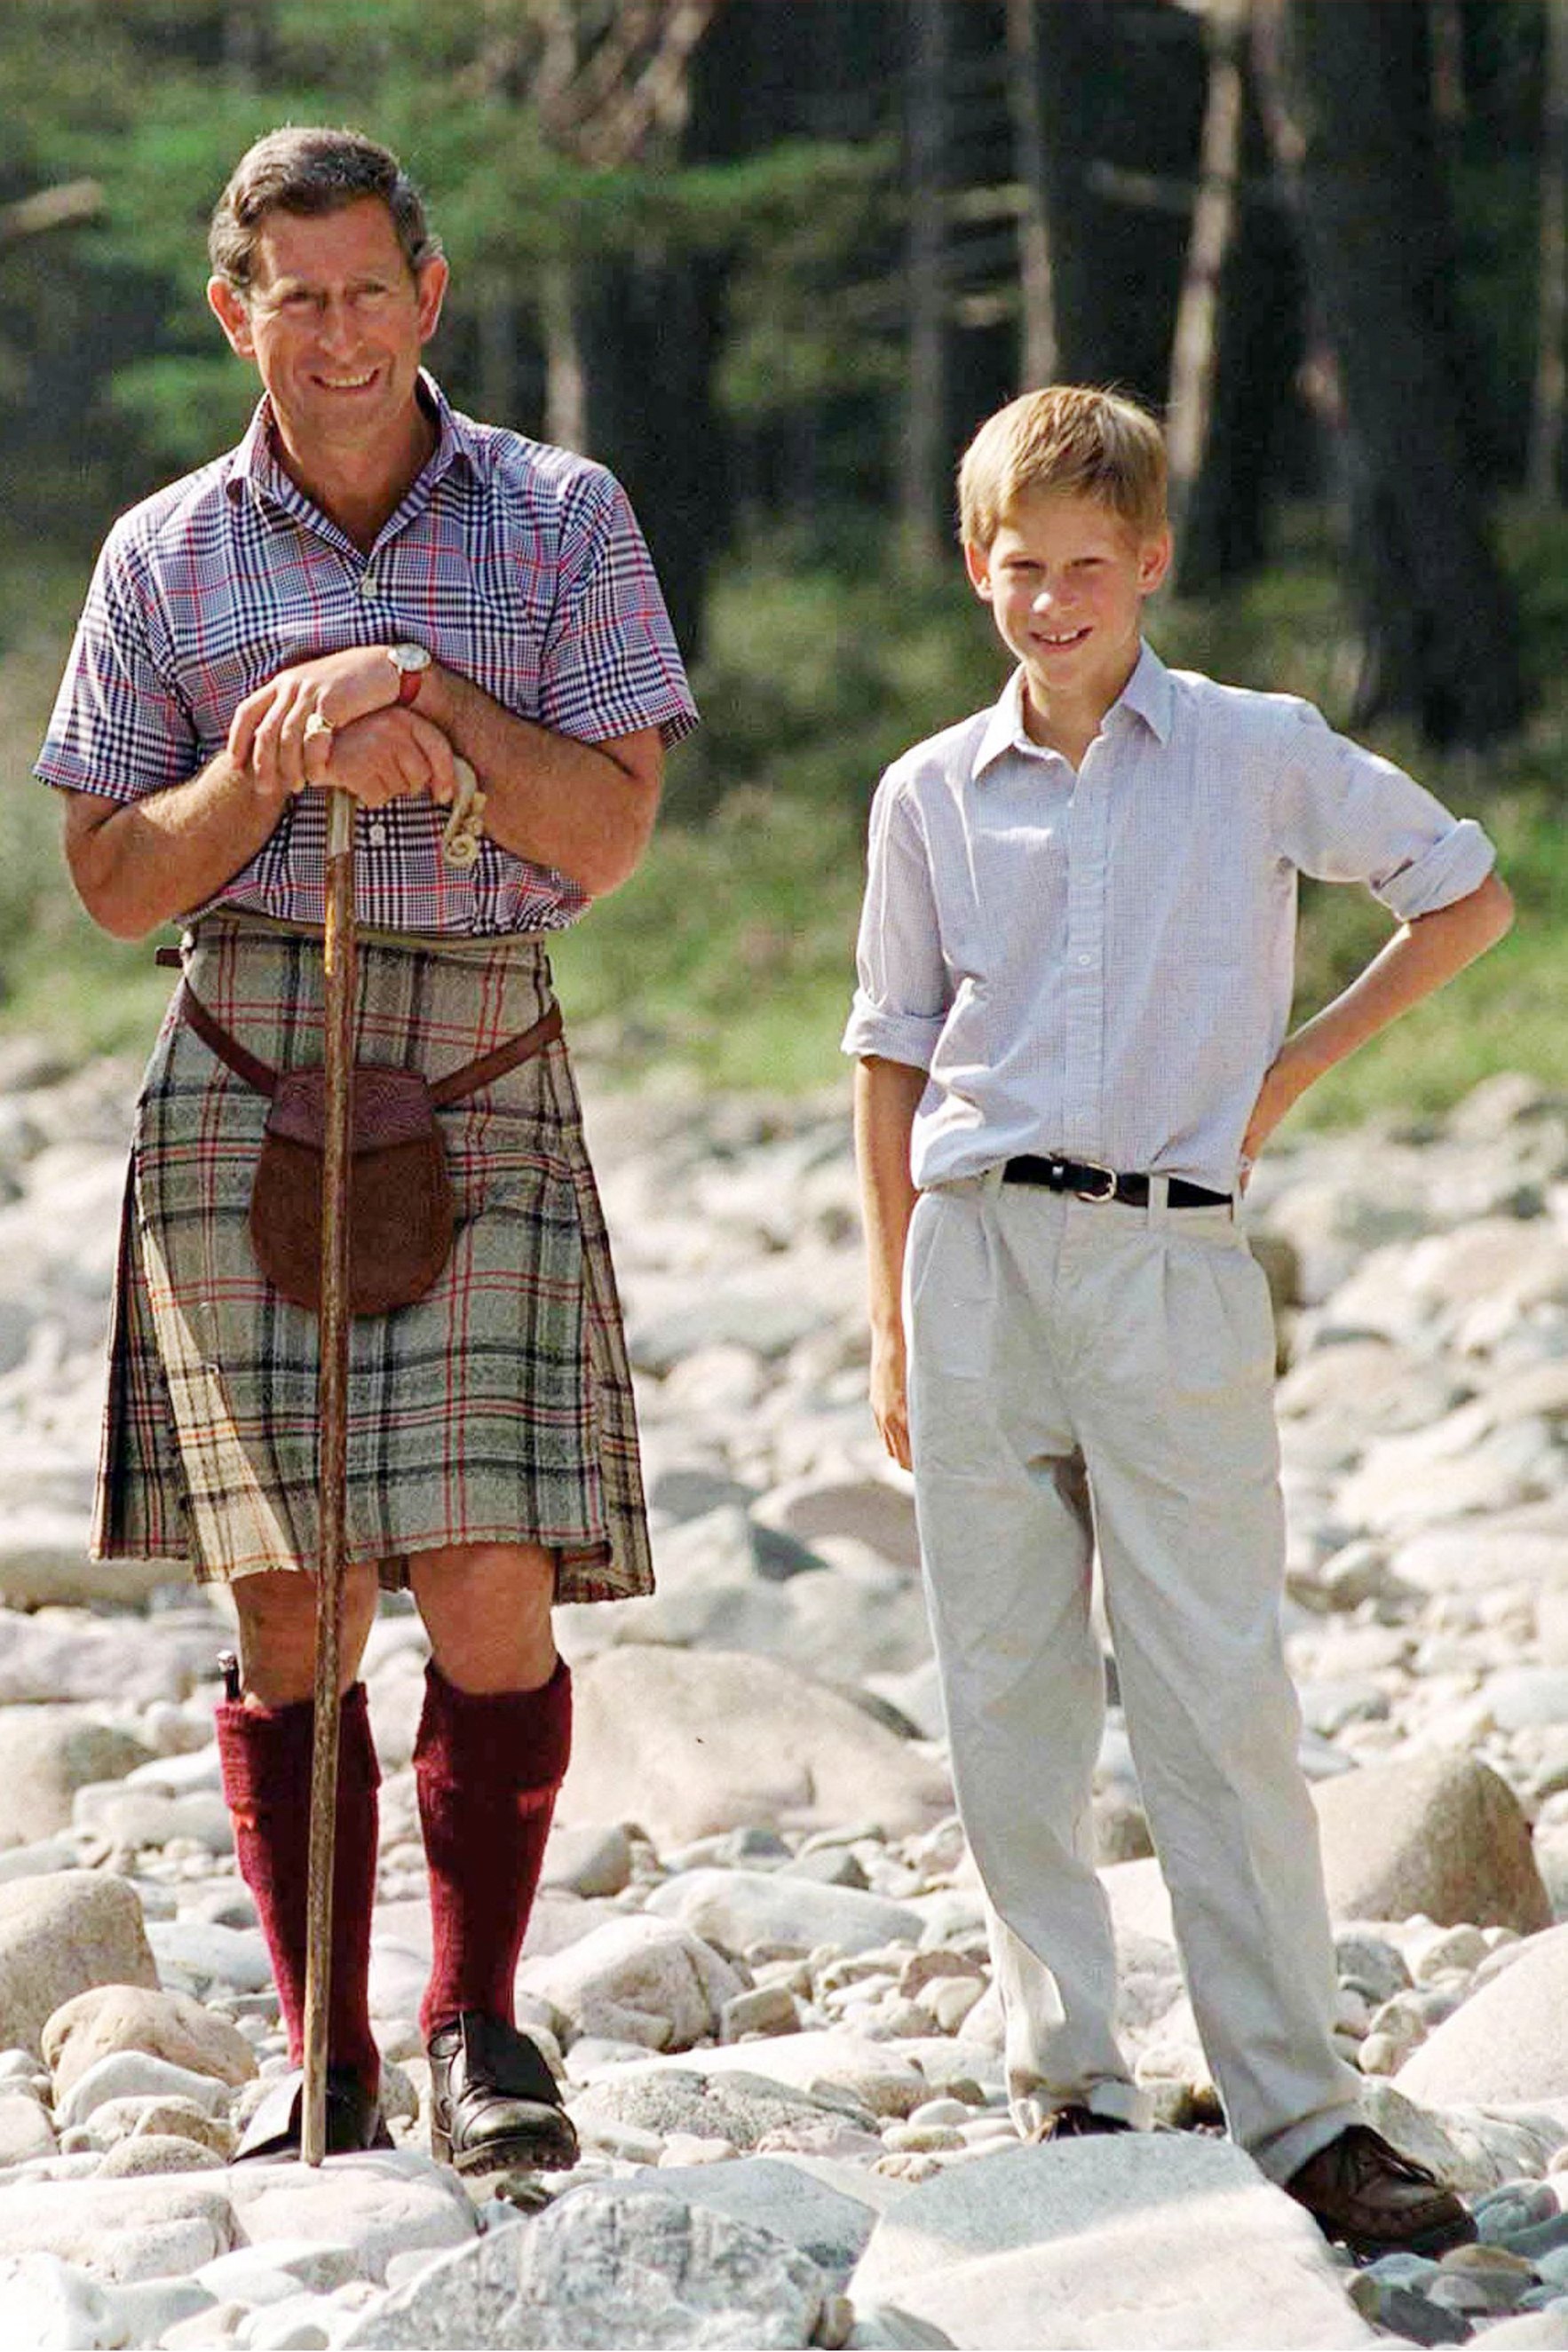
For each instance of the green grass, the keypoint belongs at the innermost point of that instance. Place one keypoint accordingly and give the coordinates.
(728, 957)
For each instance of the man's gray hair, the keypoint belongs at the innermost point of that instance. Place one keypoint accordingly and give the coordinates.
(312, 170)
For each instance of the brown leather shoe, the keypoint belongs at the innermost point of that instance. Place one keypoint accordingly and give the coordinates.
(1077, 2123)
(1374, 2200)
(494, 2103)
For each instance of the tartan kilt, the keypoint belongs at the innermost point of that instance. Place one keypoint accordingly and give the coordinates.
(498, 1408)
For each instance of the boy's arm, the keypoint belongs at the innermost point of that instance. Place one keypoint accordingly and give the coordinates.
(1422, 955)
(887, 1096)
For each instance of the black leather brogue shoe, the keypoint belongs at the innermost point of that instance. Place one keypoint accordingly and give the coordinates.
(354, 2120)
(494, 2103)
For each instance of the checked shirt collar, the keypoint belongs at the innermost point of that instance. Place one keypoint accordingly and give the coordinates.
(256, 472)
(1148, 693)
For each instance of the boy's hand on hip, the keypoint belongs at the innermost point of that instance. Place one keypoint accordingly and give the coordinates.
(1284, 1083)
(889, 1397)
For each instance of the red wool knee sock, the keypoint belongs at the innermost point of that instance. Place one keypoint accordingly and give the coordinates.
(265, 1754)
(486, 1766)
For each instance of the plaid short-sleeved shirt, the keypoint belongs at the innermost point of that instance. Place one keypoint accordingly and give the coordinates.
(520, 565)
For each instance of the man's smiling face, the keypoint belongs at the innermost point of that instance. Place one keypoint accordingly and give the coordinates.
(335, 321)
(1066, 579)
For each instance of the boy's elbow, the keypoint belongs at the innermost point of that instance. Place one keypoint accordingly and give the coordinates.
(1495, 907)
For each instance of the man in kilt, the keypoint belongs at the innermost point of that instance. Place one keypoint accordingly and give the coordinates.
(368, 586)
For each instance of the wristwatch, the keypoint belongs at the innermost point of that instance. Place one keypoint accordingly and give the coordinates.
(410, 661)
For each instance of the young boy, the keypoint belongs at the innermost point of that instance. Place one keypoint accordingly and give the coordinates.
(1074, 974)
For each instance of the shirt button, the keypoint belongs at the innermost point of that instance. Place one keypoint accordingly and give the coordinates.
(367, 586)
(377, 834)
(1085, 962)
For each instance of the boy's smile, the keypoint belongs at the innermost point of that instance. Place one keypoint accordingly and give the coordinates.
(1066, 579)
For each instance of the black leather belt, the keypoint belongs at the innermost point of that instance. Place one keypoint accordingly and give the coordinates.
(1091, 1183)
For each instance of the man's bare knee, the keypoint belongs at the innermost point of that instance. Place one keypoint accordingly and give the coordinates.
(487, 1611)
(277, 1613)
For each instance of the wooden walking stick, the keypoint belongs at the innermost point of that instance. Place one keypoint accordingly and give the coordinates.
(333, 1416)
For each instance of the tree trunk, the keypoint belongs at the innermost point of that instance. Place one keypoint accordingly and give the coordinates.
(565, 388)
(1195, 349)
(1354, 126)
(1447, 41)
(1552, 299)
(921, 506)
(1038, 343)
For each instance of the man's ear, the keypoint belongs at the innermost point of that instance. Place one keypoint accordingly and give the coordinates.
(977, 564)
(228, 309)
(432, 285)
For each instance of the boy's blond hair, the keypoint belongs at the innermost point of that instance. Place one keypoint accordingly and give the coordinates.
(1066, 437)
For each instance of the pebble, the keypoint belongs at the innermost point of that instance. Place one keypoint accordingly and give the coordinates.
(796, 1879)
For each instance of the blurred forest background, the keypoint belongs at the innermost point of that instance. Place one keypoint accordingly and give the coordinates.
(773, 261)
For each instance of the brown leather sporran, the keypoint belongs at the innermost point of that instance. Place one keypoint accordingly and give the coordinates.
(401, 1212)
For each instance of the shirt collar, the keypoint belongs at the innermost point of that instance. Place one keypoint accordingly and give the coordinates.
(256, 464)
(1148, 692)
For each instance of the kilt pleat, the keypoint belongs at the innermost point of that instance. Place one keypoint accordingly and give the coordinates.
(497, 1409)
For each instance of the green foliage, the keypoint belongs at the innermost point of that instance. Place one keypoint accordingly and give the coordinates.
(816, 673)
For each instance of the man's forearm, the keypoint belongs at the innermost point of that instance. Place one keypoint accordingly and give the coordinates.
(585, 809)
(136, 864)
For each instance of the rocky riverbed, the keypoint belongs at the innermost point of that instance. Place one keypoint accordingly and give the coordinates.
(759, 1961)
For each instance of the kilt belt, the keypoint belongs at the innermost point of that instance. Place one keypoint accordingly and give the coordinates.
(497, 1409)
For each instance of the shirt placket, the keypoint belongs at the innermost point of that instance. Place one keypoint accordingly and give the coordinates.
(1084, 978)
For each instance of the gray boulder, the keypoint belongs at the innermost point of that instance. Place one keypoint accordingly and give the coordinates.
(1441, 1835)
(739, 1908)
(1444, 1835)
(1475, 2149)
(604, 2267)
(693, 1745)
(378, 2205)
(1507, 2041)
(636, 1979)
(61, 1937)
(125, 2229)
(1139, 2240)
(826, 2211)
(46, 1754)
(737, 2106)
(168, 2025)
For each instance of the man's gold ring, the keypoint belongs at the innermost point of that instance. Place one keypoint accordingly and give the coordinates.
(316, 727)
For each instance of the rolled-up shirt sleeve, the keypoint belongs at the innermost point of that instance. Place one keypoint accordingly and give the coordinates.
(1346, 815)
(902, 1000)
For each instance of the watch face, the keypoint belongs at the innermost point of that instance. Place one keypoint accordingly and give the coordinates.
(410, 661)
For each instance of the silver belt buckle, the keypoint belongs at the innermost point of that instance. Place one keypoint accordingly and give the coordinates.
(1110, 1176)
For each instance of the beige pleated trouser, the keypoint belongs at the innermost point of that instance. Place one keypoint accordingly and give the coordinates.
(1086, 1376)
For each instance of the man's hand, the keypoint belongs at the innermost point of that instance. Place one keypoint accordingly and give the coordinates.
(391, 755)
(890, 1395)
(269, 731)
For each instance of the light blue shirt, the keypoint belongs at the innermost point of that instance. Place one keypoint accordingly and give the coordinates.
(1100, 965)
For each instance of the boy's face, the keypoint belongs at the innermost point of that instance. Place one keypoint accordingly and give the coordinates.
(1066, 580)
